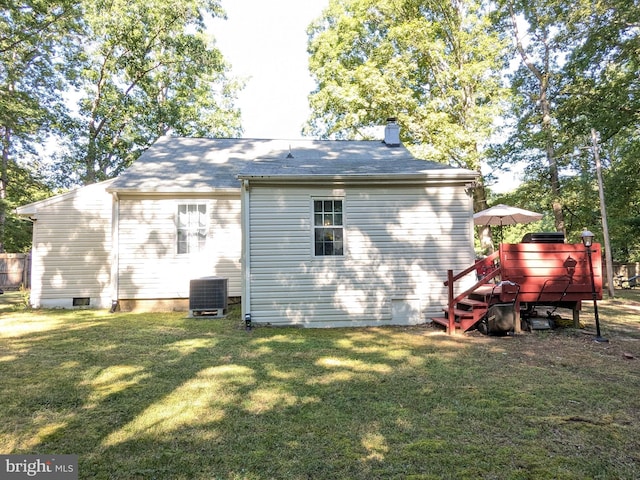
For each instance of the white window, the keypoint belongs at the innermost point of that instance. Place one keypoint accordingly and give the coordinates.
(192, 227)
(328, 227)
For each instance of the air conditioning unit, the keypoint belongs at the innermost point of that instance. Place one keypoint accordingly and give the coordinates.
(208, 297)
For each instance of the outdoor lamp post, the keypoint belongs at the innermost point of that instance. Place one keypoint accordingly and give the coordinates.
(587, 240)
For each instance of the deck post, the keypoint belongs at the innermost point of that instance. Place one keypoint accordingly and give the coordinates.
(450, 315)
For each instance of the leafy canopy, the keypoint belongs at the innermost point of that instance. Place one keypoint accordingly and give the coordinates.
(148, 67)
(432, 64)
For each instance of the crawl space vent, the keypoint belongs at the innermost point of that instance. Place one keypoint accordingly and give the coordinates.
(208, 297)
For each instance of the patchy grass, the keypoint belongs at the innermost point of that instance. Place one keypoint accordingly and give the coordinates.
(140, 396)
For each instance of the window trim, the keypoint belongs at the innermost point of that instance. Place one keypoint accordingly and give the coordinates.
(189, 251)
(314, 228)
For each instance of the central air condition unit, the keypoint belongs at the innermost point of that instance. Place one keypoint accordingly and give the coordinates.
(208, 297)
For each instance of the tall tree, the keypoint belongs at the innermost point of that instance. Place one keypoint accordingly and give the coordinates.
(148, 67)
(536, 28)
(579, 70)
(434, 65)
(600, 89)
(33, 37)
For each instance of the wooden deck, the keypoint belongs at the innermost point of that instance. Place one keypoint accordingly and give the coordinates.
(527, 274)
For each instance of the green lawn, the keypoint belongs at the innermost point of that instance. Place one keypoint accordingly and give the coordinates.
(143, 396)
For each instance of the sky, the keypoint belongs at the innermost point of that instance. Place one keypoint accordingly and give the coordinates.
(266, 43)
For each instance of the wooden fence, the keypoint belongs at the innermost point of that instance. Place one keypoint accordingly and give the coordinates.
(15, 270)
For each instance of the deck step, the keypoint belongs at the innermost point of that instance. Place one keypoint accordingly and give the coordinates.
(459, 313)
(473, 303)
(459, 324)
(444, 321)
(463, 313)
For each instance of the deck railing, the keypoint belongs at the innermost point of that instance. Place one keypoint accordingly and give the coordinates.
(488, 265)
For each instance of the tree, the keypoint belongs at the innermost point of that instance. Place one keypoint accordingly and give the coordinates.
(32, 39)
(622, 190)
(148, 67)
(537, 29)
(28, 185)
(434, 65)
(600, 90)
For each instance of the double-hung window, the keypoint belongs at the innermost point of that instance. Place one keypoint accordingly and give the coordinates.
(328, 227)
(192, 225)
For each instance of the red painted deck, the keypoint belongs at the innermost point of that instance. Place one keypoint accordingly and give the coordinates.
(551, 272)
(525, 273)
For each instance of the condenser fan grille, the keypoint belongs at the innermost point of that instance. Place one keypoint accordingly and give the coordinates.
(208, 296)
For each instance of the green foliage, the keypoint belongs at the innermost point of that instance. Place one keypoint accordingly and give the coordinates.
(433, 65)
(622, 192)
(25, 297)
(26, 186)
(582, 60)
(148, 67)
(32, 39)
(600, 88)
(32, 42)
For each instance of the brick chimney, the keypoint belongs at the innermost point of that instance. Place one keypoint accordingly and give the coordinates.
(392, 133)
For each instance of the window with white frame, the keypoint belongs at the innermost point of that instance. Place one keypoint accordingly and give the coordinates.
(192, 226)
(328, 227)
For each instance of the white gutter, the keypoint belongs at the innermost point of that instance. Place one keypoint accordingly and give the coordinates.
(444, 177)
(174, 192)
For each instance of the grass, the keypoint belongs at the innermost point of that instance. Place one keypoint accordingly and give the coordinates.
(143, 396)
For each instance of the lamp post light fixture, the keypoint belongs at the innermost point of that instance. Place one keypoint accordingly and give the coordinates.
(587, 240)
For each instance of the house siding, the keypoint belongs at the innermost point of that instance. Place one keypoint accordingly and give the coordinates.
(149, 265)
(72, 248)
(399, 243)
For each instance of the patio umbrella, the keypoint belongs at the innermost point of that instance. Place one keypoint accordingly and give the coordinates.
(505, 215)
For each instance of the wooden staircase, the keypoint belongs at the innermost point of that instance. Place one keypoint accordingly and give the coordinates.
(467, 312)
(468, 308)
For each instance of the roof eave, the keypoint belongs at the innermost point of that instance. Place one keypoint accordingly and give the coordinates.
(171, 192)
(28, 211)
(439, 177)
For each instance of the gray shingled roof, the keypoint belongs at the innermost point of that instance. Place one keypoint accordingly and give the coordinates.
(202, 165)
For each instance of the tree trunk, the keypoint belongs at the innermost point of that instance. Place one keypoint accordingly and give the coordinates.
(554, 178)
(543, 75)
(89, 176)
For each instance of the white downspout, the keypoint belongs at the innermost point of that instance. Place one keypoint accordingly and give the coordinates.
(246, 249)
(115, 252)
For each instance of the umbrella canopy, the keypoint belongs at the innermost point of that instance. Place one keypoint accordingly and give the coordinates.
(505, 215)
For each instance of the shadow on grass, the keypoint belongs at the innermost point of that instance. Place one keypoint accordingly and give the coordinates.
(161, 396)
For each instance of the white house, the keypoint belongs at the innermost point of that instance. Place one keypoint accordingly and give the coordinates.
(308, 232)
